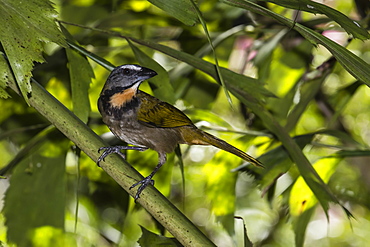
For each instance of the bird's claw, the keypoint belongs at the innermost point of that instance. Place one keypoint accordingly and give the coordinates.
(108, 151)
(143, 184)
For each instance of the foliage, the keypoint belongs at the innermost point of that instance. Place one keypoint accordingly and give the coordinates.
(285, 80)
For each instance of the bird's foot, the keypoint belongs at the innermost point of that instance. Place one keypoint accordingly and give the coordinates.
(117, 150)
(143, 184)
(108, 151)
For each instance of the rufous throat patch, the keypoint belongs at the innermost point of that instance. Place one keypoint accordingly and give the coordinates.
(120, 99)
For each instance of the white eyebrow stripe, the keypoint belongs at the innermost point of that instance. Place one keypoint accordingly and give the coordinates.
(131, 67)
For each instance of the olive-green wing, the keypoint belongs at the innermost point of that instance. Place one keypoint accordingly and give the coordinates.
(156, 113)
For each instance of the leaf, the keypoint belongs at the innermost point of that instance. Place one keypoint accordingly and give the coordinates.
(25, 25)
(80, 73)
(253, 87)
(278, 161)
(300, 225)
(351, 153)
(218, 172)
(341, 98)
(310, 176)
(183, 69)
(180, 9)
(6, 76)
(247, 241)
(219, 74)
(149, 239)
(99, 60)
(35, 198)
(309, 86)
(160, 84)
(351, 26)
(27, 149)
(301, 196)
(352, 63)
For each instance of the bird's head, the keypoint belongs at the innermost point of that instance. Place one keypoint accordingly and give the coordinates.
(128, 76)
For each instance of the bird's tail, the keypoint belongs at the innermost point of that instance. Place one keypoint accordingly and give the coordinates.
(203, 138)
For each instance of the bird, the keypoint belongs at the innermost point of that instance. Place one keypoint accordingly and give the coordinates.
(145, 122)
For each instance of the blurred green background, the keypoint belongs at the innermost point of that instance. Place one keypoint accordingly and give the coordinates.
(54, 195)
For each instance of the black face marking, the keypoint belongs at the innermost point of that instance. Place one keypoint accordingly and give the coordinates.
(110, 92)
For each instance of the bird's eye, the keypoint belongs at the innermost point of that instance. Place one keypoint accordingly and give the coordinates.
(126, 71)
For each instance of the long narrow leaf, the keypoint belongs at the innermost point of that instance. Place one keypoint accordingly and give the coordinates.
(80, 73)
(351, 26)
(219, 74)
(352, 63)
(162, 87)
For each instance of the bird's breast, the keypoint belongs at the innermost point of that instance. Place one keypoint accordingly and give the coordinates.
(121, 99)
(122, 120)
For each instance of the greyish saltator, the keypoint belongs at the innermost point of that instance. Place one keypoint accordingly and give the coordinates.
(144, 121)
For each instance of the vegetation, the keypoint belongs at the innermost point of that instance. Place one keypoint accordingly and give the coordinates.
(287, 81)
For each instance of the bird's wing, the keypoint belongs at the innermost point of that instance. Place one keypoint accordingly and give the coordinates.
(156, 113)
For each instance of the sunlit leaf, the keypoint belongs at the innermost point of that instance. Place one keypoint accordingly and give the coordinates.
(301, 196)
(46, 236)
(221, 182)
(180, 9)
(25, 26)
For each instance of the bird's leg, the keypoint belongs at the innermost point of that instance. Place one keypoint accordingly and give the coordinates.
(117, 150)
(148, 180)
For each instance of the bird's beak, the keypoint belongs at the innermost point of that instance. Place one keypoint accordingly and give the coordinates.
(146, 73)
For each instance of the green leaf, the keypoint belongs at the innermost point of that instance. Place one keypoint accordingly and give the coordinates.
(310, 176)
(278, 161)
(301, 196)
(35, 198)
(341, 98)
(247, 241)
(309, 86)
(219, 74)
(25, 25)
(351, 153)
(180, 9)
(149, 239)
(5, 76)
(80, 73)
(99, 60)
(352, 63)
(27, 149)
(253, 87)
(351, 26)
(300, 225)
(160, 84)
